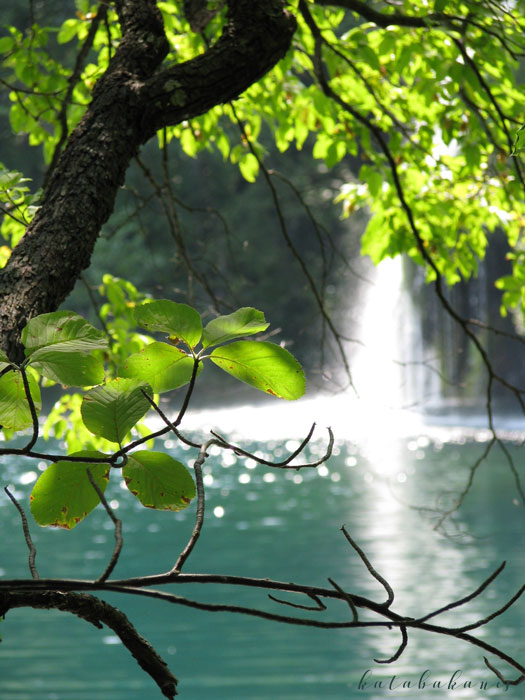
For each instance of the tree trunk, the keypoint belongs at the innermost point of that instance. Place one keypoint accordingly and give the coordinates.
(131, 101)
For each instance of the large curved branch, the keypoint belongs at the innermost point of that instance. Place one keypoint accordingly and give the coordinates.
(130, 102)
(256, 36)
(96, 611)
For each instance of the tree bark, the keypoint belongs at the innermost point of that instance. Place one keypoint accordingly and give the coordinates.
(130, 102)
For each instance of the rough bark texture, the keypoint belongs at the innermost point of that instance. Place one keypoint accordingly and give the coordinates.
(130, 103)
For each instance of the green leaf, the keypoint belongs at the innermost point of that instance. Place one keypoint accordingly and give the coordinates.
(265, 366)
(111, 410)
(15, 413)
(249, 167)
(164, 366)
(61, 331)
(519, 143)
(63, 494)
(178, 320)
(244, 321)
(6, 44)
(158, 480)
(68, 30)
(4, 360)
(68, 368)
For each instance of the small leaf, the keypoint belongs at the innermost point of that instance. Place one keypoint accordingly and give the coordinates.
(244, 321)
(158, 480)
(111, 410)
(519, 143)
(61, 331)
(4, 360)
(63, 495)
(68, 368)
(178, 320)
(265, 366)
(15, 413)
(163, 366)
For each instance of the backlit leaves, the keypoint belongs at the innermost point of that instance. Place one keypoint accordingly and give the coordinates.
(158, 481)
(265, 366)
(179, 321)
(163, 366)
(63, 495)
(245, 321)
(111, 410)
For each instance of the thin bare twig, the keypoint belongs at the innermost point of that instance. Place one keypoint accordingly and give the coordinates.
(372, 571)
(285, 464)
(348, 598)
(199, 520)
(467, 598)
(27, 534)
(32, 409)
(118, 529)
(319, 605)
(401, 649)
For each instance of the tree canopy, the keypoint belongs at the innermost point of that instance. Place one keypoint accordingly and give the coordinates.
(419, 107)
(423, 101)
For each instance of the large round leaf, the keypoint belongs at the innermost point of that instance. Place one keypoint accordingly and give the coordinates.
(158, 480)
(61, 331)
(265, 366)
(178, 320)
(164, 366)
(63, 494)
(15, 413)
(68, 368)
(245, 321)
(111, 410)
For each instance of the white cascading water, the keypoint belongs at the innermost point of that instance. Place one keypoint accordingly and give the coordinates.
(387, 369)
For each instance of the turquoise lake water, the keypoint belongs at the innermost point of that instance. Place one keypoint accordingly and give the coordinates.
(267, 523)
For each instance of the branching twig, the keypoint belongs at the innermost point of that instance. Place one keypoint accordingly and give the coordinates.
(285, 464)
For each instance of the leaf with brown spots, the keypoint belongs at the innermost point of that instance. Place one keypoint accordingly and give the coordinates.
(63, 494)
(158, 480)
(265, 366)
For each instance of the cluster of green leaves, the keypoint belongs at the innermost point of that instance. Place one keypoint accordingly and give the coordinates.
(64, 347)
(445, 97)
(19, 205)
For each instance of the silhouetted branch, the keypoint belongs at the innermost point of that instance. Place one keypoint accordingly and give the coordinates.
(118, 529)
(96, 612)
(467, 598)
(285, 464)
(199, 520)
(401, 649)
(348, 598)
(319, 605)
(318, 295)
(32, 409)
(502, 678)
(27, 534)
(371, 570)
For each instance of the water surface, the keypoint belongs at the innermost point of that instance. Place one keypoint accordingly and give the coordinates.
(284, 525)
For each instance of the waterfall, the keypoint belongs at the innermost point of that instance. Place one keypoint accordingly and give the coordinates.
(392, 367)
